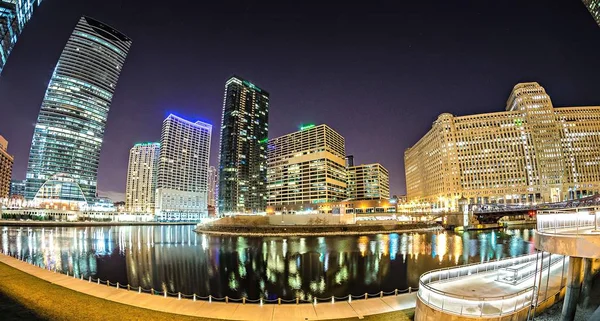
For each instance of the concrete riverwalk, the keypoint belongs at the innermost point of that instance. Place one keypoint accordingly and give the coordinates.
(220, 310)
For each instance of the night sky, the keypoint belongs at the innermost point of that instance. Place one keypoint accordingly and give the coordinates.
(377, 72)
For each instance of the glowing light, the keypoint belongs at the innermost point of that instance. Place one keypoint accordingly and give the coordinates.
(305, 127)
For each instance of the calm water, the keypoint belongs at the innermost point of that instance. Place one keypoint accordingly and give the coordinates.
(179, 260)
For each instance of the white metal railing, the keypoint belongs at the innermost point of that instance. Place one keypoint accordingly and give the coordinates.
(575, 221)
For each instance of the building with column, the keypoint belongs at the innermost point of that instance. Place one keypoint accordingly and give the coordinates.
(368, 181)
(142, 173)
(69, 131)
(6, 166)
(243, 148)
(182, 188)
(13, 17)
(593, 7)
(213, 178)
(306, 167)
(530, 153)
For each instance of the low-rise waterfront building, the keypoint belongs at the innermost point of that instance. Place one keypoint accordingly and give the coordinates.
(6, 166)
(306, 167)
(530, 153)
(17, 188)
(368, 181)
(142, 175)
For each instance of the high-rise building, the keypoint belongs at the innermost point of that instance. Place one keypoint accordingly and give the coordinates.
(593, 7)
(213, 179)
(367, 182)
(17, 188)
(182, 188)
(14, 14)
(70, 127)
(530, 153)
(306, 167)
(243, 149)
(6, 165)
(142, 173)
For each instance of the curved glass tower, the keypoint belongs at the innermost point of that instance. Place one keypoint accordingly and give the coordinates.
(70, 127)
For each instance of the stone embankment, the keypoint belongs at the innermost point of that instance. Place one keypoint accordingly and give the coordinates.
(312, 230)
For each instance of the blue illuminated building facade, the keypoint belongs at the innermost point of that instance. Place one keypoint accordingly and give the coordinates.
(243, 149)
(14, 14)
(67, 139)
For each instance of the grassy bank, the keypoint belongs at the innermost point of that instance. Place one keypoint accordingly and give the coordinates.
(25, 297)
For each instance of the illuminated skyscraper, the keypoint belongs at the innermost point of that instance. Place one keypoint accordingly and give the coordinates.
(213, 179)
(181, 192)
(366, 182)
(306, 167)
(6, 166)
(70, 127)
(532, 152)
(593, 7)
(142, 174)
(243, 150)
(14, 14)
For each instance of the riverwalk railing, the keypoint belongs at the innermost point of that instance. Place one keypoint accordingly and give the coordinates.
(478, 306)
(574, 221)
(226, 299)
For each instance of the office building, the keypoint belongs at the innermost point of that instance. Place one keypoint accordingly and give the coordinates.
(306, 167)
(530, 153)
(142, 173)
(182, 188)
(243, 149)
(213, 178)
(6, 166)
(368, 182)
(17, 188)
(69, 132)
(14, 14)
(593, 7)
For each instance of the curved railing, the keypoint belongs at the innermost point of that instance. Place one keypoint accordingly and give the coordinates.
(478, 306)
(565, 222)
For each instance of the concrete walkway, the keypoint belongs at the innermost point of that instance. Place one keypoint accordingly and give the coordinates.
(219, 310)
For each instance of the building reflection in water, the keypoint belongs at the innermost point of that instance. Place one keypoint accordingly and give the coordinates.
(176, 259)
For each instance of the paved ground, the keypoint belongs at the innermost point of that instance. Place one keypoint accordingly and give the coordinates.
(231, 311)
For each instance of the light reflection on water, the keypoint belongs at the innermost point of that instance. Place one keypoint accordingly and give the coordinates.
(178, 260)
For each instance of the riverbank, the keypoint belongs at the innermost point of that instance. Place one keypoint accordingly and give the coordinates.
(241, 229)
(71, 224)
(45, 293)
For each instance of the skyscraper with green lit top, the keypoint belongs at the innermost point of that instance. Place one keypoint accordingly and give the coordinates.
(243, 148)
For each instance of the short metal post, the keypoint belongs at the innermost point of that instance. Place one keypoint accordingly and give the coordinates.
(349, 298)
(279, 301)
(226, 299)
(297, 300)
(90, 279)
(67, 273)
(332, 299)
(107, 283)
(396, 292)
(195, 297)
(366, 296)
(243, 300)
(165, 294)
(314, 301)
(128, 287)
(409, 289)
(381, 294)
(179, 296)
(117, 285)
(98, 280)
(209, 298)
(261, 302)
(139, 289)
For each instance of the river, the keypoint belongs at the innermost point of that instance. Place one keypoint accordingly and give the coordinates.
(178, 260)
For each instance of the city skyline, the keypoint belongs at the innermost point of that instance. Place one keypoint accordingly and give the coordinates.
(319, 88)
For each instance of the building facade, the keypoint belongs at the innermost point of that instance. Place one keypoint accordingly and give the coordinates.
(593, 7)
(369, 181)
(243, 148)
(69, 132)
(14, 14)
(530, 153)
(142, 172)
(6, 166)
(17, 188)
(306, 167)
(213, 179)
(182, 187)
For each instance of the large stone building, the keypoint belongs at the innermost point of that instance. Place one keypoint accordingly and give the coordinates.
(243, 149)
(14, 15)
(368, 181)
(530, 153)
(306, 167)
(6, 165)
(142, 173)
(69, 132)
(182, 187)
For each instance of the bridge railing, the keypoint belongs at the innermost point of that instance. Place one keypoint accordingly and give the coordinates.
(575, 221)
(475, 305)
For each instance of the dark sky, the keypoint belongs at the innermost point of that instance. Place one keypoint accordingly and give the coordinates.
(378, 72)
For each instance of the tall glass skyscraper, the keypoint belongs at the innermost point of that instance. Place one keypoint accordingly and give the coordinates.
(70, 127)
(243, 150)
(593, 7)
(14, 14)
